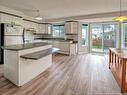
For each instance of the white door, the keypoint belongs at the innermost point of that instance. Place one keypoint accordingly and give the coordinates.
(83, 38)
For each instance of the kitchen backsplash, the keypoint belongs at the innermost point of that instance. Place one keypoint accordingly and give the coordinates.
(37, 36)
(74, 37)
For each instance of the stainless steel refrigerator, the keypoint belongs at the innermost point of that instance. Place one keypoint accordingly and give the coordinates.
(9, 35)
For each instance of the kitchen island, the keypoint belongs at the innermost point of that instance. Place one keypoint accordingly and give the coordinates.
(24, 62)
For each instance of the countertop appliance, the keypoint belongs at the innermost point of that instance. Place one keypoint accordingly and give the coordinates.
(9, 35)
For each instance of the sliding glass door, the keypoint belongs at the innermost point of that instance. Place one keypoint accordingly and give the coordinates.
(97, 36)
(109, 36)
(103, 37)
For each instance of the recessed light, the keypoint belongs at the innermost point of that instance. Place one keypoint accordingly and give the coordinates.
(38, 17)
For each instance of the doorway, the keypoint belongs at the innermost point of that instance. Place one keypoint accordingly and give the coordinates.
(83, 46)
(103, 36)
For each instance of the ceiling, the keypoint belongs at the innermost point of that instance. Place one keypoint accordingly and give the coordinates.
(50, 9)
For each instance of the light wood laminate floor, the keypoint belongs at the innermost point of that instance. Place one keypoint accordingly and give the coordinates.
(69, 75)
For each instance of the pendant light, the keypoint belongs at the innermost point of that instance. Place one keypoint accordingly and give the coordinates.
(120, 18)
(38, 17)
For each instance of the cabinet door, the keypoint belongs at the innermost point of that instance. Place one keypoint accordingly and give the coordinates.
(36, 27)
(26, 24)
(11, 19)
(41, 29)
(74, 28)
(64, 46)
(68, 28)
(16, 20)
(32, 25)
(6, 18)
(48, 29)
(73, 49)
(56, 44)
(71, 27)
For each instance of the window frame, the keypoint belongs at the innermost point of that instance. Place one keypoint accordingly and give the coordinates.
(58, 25)
(86, 36)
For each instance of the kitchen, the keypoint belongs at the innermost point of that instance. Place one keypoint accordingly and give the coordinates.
(36, 32)
(48, 49)
(29, 40)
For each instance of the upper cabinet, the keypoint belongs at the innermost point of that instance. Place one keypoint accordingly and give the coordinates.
(44, 29)
(5, 18)
(26, 24)
(39, 28)
(31, 25)
(71, 27)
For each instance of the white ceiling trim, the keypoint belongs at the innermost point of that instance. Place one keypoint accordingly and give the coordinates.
(91, 16)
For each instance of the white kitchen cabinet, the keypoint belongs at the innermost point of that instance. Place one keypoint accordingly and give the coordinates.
(44, 29)
(5, 18)
(26, 24)
(56, 44)
(17, 20)
(41, 29)
(50, 41)
(71, 27)
(31, 25)
(36, 27)
(73, 49)
(66, 47)
(48, 28)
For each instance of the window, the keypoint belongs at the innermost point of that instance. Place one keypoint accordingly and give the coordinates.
(84, 34)
(58, 31)
(124, 35)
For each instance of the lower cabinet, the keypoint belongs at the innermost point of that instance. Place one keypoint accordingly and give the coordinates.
(66, 47)
(73, 49)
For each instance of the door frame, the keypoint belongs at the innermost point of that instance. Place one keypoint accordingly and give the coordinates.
(83, 49)
(103, 23)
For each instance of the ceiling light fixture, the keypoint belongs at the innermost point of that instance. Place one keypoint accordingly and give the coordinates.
(38, 17)
(120, 18)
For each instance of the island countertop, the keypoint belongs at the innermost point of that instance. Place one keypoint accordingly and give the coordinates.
(24, 62)
(24, 46)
